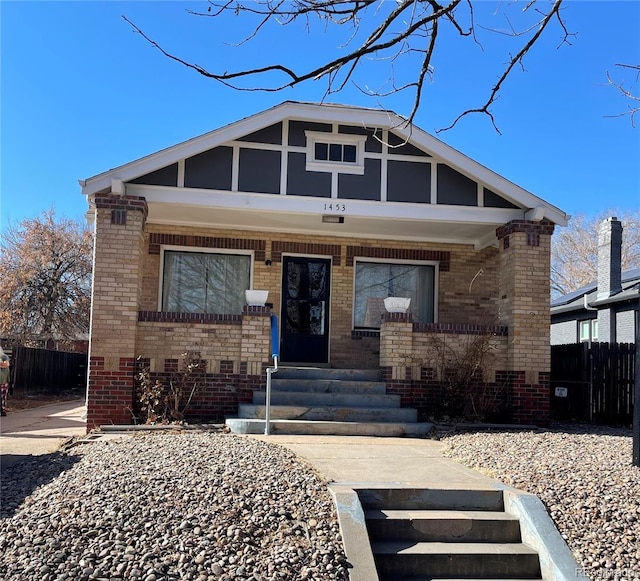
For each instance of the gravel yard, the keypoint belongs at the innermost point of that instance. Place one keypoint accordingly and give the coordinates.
(181, 506)
(584, 477)
(205, 506)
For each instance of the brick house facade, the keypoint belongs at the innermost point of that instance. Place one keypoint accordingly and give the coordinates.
(354, 204)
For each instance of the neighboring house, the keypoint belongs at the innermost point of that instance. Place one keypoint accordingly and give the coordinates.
(331, 209)
(605, 310)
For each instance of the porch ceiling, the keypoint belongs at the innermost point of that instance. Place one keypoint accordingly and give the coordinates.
(439, 227)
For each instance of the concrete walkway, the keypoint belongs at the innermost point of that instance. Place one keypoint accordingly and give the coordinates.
(339, 459)
(354, 460)
(40, 430)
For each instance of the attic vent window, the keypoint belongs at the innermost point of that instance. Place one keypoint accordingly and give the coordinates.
(335, 152)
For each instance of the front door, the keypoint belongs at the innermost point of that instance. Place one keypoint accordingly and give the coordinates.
(305, 310)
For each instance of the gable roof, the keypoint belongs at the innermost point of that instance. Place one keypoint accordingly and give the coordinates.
(520, 204)
(575, 300)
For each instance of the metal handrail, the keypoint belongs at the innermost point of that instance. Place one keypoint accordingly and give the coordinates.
(275, 354)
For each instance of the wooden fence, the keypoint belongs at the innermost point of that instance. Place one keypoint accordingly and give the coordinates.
(37, 371)
(593, 383)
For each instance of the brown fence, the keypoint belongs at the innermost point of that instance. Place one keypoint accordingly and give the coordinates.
(36, 371)
(593, 383)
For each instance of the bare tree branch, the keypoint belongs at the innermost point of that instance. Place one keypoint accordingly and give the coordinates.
(627, 93)
(517, 59)
(405, 28)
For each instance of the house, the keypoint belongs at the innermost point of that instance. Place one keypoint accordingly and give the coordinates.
(330, 209)
(606, 310)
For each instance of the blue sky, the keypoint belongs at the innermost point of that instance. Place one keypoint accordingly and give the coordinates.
(82, 93)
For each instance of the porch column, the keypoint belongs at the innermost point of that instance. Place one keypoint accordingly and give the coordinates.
(525, 255)
(396, 353)
(255, 349)
(117, 264)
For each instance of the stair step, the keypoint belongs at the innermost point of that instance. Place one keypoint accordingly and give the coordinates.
(442, 526)
(311, 399)
(329, 373)
(386, 429)
(329, 413)
(431, 499)
(466, 560)
(327, 385)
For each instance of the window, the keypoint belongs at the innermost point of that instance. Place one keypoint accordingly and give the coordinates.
(335, 152)
(341, 152)
(202, 282)
(585, 330)
(588, 330)
(376, 281)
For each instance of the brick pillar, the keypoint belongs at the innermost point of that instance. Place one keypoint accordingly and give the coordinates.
(255, 349)
(525, 255)
(117, 264)
(396, 354)
(396, 343)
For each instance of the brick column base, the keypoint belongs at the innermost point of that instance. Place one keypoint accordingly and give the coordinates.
(516, 400)
(111, 393)
(531, 401)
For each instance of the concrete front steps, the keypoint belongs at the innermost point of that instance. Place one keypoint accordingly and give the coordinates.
(419, 535)
(323, 401)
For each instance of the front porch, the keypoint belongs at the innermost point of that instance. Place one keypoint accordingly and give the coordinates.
(434, 372)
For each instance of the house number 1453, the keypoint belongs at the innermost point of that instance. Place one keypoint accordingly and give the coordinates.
(335, 208)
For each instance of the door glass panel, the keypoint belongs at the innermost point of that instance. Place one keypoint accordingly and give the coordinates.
(306, 298)
(305, 317)
(305, 310)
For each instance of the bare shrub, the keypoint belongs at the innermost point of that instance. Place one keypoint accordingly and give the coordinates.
(160, 403)
(461, 370)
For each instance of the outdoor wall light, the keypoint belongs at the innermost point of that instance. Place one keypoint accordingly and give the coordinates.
(331, 219)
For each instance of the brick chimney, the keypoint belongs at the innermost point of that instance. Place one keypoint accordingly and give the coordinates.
(609, 258)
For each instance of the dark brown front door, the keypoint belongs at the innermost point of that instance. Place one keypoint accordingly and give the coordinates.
(305, 310)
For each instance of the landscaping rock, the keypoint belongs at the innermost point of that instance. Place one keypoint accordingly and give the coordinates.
(583, 475)
(183, 506)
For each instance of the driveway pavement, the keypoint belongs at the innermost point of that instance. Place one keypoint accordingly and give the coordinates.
(40, 430)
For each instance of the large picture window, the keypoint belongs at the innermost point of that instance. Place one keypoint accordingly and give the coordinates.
(202, 282)
(377, 281)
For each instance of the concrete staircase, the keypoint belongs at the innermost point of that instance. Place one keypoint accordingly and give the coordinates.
(328, 401)
(424, 534)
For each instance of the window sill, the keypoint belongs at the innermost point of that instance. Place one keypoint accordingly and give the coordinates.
(204, 318)
(360, 333)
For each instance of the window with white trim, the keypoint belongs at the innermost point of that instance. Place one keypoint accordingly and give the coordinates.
(204, 282)
(340, 152)
(375, 281)
(588, 330)
(335, 152)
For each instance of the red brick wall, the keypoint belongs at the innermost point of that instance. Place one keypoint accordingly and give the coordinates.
(111, 393)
